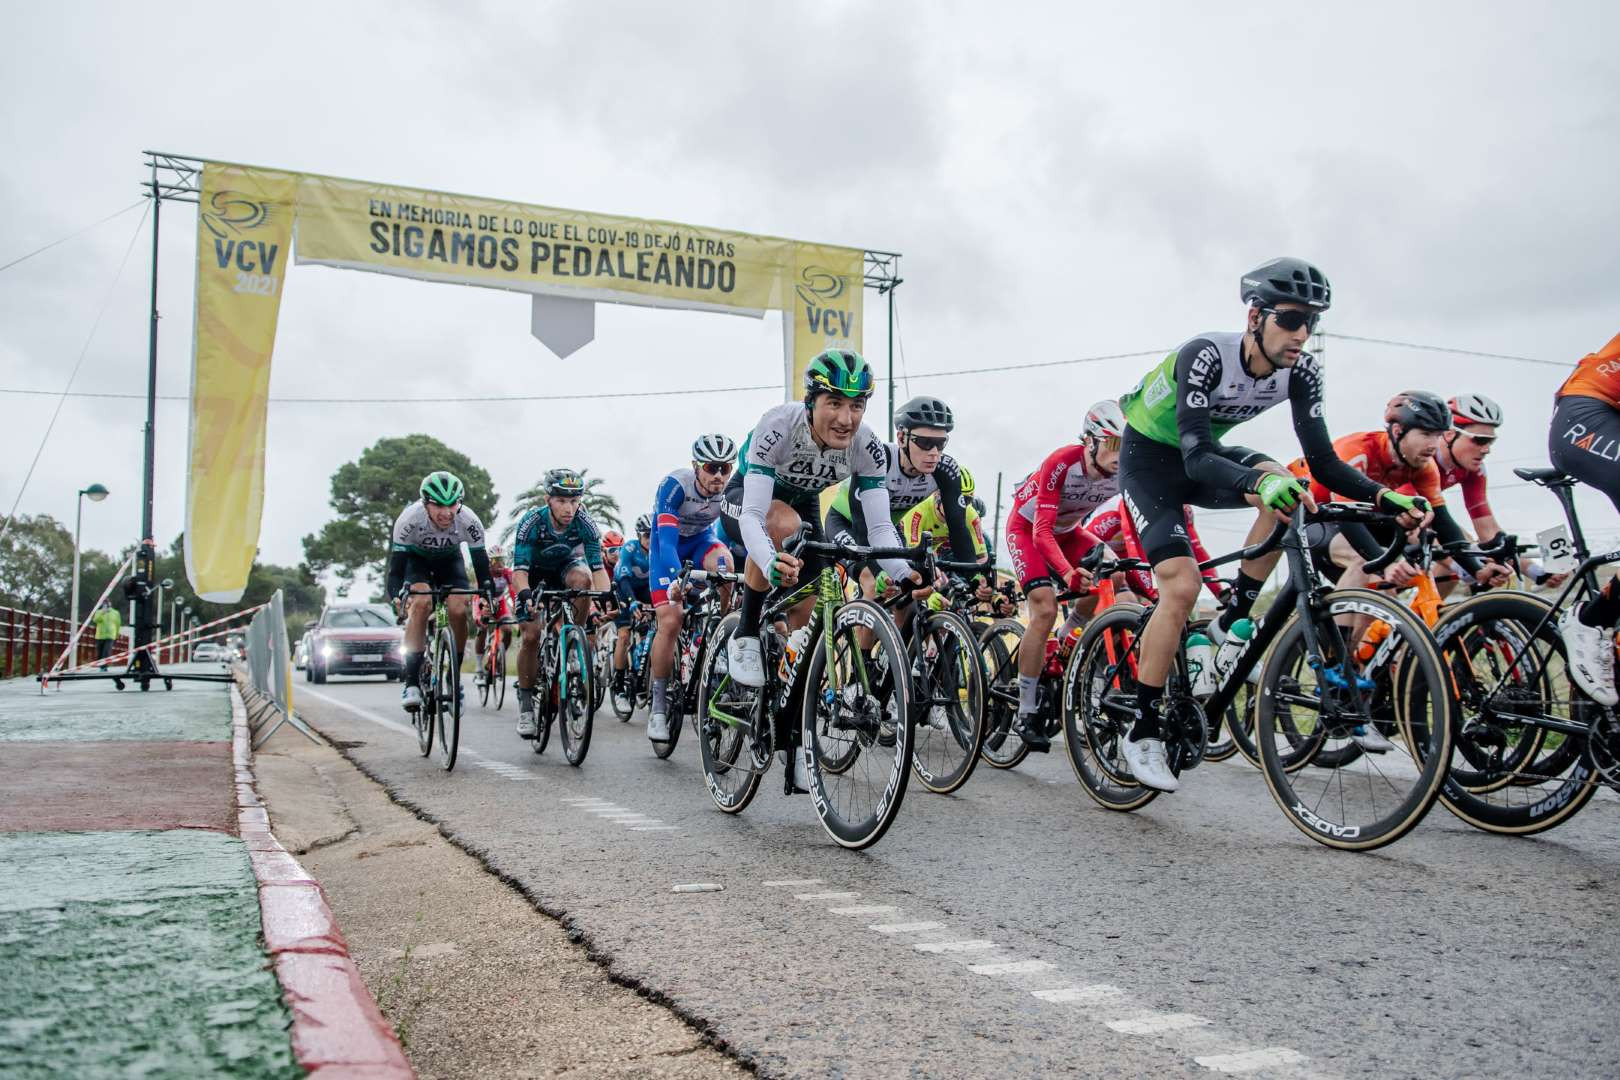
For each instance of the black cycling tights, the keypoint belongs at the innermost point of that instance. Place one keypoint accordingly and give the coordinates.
(1584, 441)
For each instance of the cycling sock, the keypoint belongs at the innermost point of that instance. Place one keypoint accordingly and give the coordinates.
(413, 667)
(1245, 591)
(1147, 703)
(753, 604)
(1027, 687)
(1603, 610)
(660, 691)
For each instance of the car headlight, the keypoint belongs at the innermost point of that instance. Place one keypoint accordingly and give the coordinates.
(326, 651)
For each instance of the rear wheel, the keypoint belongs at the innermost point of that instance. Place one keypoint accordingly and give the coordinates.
(734, 737)
(998, 645)
(674, 699)
(500, 670)
(424, 718)
(574, 696)
(448, 673)
(948, 703)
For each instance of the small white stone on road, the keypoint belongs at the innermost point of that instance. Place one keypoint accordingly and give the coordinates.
(1094, 992)
(1011, 967)
(866, 909)
(827, 896)
(954, 946)
(793, 882)
(1250, 1060)
(699, 886)
(906, 927)
(1153, 1023)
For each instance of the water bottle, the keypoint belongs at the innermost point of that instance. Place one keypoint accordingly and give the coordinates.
(1237, 639)
(1201, 663)
(796, 643)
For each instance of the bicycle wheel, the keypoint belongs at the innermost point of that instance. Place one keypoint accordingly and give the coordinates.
(574, 696)
(625, 703)
(850, 698)
(998, 646)
(1508, 776)
(1099, 708)
(500, 669)
(424, 719)
(602, 667)
(1374, 798)
(448, 673)
(485, 664)
(947, 703)
(734, 735)
(674, 700)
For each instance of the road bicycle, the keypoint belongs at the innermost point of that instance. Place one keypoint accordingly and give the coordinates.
(851, 701)
(562, 690)
(1314, 697)
(439, 680)
(636, 691)
(701, 594)
(492, 677)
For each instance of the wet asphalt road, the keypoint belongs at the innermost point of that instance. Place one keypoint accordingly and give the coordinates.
(1015, 929)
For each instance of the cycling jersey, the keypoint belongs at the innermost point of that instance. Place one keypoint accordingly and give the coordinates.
(634, 561)
(683, 528)
(1061, 492)
(1372, 454)
(540, 545)
(929, 517)
(1472, 484)
(1596, 376)
(1112, 525)
(421, 551)
(905, 492)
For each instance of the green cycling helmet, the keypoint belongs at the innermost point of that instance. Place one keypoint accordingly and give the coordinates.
(838, 371)
(443, 488)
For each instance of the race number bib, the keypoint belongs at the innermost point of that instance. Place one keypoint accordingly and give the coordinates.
(1557, 550)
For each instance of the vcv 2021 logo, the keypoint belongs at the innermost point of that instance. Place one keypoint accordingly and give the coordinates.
(821, 290)
(228, 216)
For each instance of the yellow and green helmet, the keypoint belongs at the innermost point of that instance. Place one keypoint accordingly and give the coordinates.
(443, 488)
(838, 371)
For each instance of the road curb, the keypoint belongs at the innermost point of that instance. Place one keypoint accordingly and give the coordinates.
(337, 1029)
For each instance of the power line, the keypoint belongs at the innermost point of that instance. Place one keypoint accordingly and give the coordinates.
(1447, 349)
(71, 235)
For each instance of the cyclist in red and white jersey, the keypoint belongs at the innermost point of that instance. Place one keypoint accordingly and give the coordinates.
(1112, 525)
(501, 574)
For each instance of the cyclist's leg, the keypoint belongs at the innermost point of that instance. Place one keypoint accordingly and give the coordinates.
(1583, 431)
(621, 632)
(1251, 573)
(577, 575)
(419, 582)
(455, 577)
(716, 556)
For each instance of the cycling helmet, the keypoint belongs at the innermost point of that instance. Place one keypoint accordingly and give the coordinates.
(496, 552)
(564, 483)
(644, 524)
(612, 540)
(442, 488)
(1287, 281)
(924, 412)
(967, 484)
(1475, 409)
(713, 448)
(1104, 420)
(1418, 410)
(838, 371)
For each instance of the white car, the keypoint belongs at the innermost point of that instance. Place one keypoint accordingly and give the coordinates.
(208, 652)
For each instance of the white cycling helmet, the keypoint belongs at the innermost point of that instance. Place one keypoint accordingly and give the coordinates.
(1475, 409)
(713, 448)
(1104, 420)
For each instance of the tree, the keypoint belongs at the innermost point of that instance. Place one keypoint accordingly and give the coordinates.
(369, 493)
(36, 565)
(604, 508)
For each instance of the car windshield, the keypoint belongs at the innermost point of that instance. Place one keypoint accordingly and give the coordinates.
(357, 619)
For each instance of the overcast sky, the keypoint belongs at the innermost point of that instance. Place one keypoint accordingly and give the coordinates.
(1062, 182)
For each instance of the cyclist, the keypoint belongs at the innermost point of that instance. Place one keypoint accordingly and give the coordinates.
(558, 547)
(1045, 539)
(631, 586)
(1172, 456)
(501, 573)
(425, 554)
(612, 541)
(795, 452)
(1584, 441)
(687, 505)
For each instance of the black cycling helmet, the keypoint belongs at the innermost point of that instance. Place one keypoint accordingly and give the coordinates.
(924, 412)
(1418, 410)
(1287, 281)
(564, 483)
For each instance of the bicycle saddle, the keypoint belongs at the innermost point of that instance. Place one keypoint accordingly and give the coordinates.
(1550, 477)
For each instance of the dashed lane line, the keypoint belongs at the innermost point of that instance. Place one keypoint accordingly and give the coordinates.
(827, 896)
(1151, 1023)
(655, 828)
(1012, 967)
(906, 927)
(793, 883)
(1251, 1060)
(976, 945)
(1093, 993)
(865, 909)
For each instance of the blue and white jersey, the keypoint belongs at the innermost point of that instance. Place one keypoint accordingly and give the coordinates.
(634, 562)
(679, 503)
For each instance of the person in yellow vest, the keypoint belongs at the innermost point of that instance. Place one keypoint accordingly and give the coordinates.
(108, 626)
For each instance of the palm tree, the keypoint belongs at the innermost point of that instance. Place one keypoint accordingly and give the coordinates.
(604, 508)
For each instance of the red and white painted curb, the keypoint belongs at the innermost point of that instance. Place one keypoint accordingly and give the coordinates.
(337, 1029)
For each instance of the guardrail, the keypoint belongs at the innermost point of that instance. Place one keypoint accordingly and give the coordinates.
(267, 681)
(33, 640)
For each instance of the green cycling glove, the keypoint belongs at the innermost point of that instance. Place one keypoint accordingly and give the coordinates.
(1280, 493)
(1404, 504)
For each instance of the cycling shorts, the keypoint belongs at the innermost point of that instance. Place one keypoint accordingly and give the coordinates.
(1585, 432)
(555, 575)
(1028, 564)
(1153, 478)
(731, 528)
(448, 573)
(629, 589)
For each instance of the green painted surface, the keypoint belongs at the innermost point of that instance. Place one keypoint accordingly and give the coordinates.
(135, 954)
(191, 712)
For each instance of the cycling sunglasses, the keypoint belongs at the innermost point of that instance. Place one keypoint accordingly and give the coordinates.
(929, 442)
(1481, 440)
(717, 468)
(1293, 320)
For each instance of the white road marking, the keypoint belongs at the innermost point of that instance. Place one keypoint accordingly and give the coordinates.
(375, 718)
(1250, 1060)
(954, 946)
(1094, 992)
(583, 803)
(1011, 967)
(793, 882)
(1150, 1023)
(655, 828)
(827, 896)
(905, 927)
(867, 909)
(699, 886)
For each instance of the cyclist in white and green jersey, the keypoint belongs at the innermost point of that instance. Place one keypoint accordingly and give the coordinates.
(1172, 456)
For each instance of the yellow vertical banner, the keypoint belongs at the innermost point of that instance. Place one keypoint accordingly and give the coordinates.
(824, 311)
(244, 242)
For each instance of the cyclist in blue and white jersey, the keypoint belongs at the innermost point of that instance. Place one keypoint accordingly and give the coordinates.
(632, 585)
(686, 508)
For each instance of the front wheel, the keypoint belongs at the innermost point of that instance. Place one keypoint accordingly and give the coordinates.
(674, 699)
(857, 698)
(734, 735)
(447, 671)
(998, 646)
(948, 706)
(1099, 709)
(574, 696)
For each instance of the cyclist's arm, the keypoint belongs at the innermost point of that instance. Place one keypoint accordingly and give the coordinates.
(1048, 499)
(1198, 376)
(397, 557)
(1449, 532)
(665, 538)
(873, 495)
(758, 486)
(948, 477)
(1305, 398)
(591, 538)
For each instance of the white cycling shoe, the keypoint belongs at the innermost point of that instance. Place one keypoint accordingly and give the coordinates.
(743, 660)
(1591, 657)
(411, 698)
(525, 721)
(801, 771)
(658, 727)
(1148, 764)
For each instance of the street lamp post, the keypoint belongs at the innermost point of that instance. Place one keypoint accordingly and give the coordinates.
(96, 493)
(185, 625)
(165, 585)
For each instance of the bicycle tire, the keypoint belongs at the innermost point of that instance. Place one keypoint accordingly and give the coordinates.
(1099, 687)
(629, 696)
(500, 669)
(424, 719)
(723, 748)
(1002, 748)
(674, 702)
(449, 701)
(959, 727)
(574, 696)
(1362, 816)
(862, 711)
(1541, 792)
